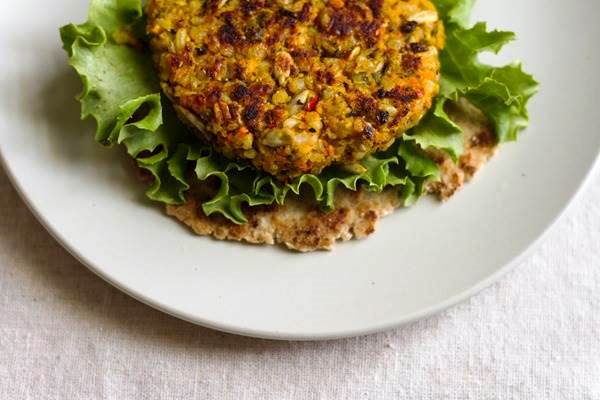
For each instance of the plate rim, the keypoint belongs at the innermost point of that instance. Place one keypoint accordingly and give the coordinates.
(25, 185)
(260, 334)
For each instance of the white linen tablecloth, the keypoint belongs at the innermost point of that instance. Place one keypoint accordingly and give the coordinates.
(66, 334)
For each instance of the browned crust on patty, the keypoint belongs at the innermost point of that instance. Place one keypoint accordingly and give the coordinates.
(300, 225)
(293, 87)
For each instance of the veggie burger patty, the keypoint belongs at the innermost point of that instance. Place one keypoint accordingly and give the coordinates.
(295, 86)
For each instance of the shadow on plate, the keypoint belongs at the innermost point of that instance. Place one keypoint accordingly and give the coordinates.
(56, 111)
(60, 278)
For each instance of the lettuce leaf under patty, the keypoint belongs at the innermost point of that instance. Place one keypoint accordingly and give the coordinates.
(122, 93)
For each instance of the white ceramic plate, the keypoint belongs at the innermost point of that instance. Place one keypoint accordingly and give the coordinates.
(420, 261)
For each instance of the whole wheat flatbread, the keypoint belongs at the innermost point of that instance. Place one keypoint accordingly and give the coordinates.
(300, 225)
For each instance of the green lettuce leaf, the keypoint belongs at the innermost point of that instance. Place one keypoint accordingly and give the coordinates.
(121, 92)
(502, 93)
(437, 130)
(455, 11)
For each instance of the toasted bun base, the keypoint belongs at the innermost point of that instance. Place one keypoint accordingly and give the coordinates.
(300, 225)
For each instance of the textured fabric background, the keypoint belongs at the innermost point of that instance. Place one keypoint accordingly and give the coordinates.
(65, 334)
